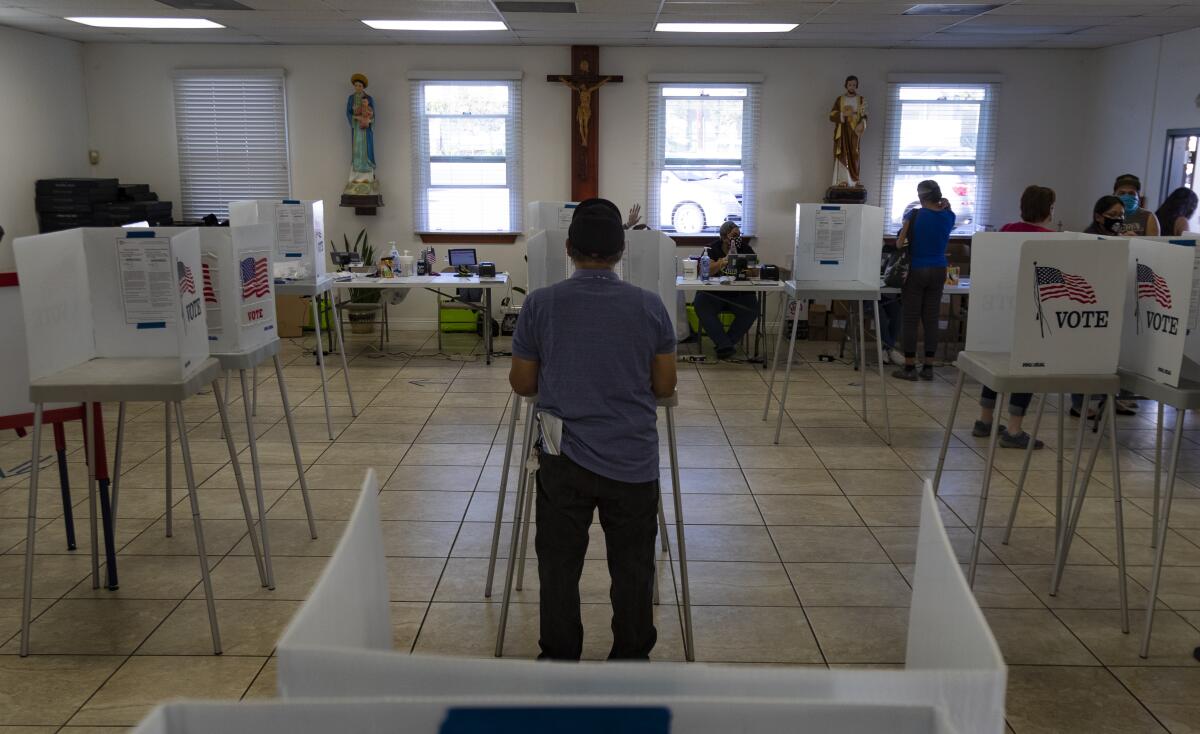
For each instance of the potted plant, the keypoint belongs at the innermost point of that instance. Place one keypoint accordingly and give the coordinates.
(364, 302)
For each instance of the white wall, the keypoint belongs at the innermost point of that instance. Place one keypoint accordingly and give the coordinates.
(131, 116)
(43, 125)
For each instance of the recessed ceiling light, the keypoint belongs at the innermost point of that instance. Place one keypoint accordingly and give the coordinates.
(147, 22)
(956, 9)
(724, 27)
(437, 25)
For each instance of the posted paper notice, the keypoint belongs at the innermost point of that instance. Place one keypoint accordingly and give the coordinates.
(291, 230)
(831, 236)
(147, 280)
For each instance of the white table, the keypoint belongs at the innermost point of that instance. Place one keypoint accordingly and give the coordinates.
(436, 283)
(728, 285)
(842, 290)
(315, 290)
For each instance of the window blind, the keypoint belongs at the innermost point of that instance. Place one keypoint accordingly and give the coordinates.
(945, 132)
(703, 155)
(231, 128)
(467, 154)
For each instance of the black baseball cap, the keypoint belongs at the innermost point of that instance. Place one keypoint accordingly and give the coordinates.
(596, 232)
(602, 204)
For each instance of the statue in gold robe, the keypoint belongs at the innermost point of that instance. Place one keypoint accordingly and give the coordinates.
(849, 118)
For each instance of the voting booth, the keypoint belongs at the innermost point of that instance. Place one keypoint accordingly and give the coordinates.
(838, 242)
(648, 263)
(1162, 305)
(102, 292)
(239, 292)
(298, 228)
(340, 645)
(1055, 301)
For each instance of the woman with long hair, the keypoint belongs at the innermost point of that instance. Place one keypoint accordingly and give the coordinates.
(1176, 211)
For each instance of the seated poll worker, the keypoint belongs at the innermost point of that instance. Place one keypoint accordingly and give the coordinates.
(709, 305)
(597, 352)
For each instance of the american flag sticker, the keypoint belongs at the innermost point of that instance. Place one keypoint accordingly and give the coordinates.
(187, 284)
(255, 278)
(210, 292)
(1151, 285)
(1054, 283)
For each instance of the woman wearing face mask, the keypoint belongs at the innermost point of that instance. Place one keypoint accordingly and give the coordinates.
(1108, 217)
(1177, 211)
(1139, 222)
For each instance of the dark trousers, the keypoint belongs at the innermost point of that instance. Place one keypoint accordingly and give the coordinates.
(567, 495)
(708, 312)
(922, 297)
(1017, 404)
(889, 321)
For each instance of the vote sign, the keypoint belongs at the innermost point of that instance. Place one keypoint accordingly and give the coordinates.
(1070, 306)
(1158, 296)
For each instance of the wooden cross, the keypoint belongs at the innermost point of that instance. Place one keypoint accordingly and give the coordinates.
(585, 112)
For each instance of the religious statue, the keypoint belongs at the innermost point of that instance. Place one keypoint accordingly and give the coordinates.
(583, 113)
(360, 113)
(849, 117)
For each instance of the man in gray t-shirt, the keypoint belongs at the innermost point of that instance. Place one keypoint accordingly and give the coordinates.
(597, 352)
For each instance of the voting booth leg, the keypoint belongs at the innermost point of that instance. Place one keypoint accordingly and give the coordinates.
(1075, 503)
(530, 488)
(862, 357)
(316, 311)
(264, 575)
(887, 415)
(1119, 515)
(775, 359)
(193, 496)
(116, 473)
(1160, 547)
(504, 469)
(665, 544)
(256, 471)
(89, 441)
(170, 520)
(337, 328)
(1037, 423)
(254, 391)
(518, 502)
(31, 529)
(1058, 464)
(958, 389)
(689, 650)
(1158, 435)
(983, 495)
(64, 483)
(1062, 523)
(95, 452)
(487, 325)
(787, 376)
(291, 424)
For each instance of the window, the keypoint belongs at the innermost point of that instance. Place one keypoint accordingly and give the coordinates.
(232, 132)
(467, 164)
(946, 132)
(703, 156)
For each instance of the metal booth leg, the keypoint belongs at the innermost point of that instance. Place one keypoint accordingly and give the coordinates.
(291, 424)
(1001, 399)
(1074, 504)
(169, 522)
(1119, 516)
(93, 439)
(256, 470)
(1158, 436)
(958, 389)
(775, 358)
(31, 529)
(337, 328)
(263, 575)
(862, 356)
(321, 365)
(116, 474)
(1163, 525)
(887, 415)
(504, 469)
(689, 649)
(518, 502)
(193, 496)
(64, 483)
(1012, 513)
(787, 376)
(89, 440)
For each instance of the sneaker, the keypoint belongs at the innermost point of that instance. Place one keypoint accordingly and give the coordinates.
(1127, 407)
(887, 357)
(983, 430)
(927, 372)
(897, 356)
(1018, 441)
(905, 374)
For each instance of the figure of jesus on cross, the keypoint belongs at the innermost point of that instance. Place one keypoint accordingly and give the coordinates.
(584, 83)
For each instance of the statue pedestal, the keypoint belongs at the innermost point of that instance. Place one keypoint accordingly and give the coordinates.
(845, 195)
(364, 196)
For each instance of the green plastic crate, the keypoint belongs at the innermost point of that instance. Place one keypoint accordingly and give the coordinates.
(694, 321)
(457, 320)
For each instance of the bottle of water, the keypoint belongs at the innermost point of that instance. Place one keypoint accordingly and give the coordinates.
(704, 265)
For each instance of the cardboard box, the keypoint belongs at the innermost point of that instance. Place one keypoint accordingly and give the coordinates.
(290, 312)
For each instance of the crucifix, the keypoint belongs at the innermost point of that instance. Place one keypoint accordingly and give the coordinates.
(584, 82)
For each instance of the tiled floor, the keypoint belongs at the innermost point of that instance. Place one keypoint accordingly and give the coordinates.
(801, 554)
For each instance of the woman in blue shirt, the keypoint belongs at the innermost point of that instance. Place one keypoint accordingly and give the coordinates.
(927, 231)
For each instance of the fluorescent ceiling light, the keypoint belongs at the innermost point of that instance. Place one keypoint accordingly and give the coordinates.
(437, 25)
(147, 22)
(724, 27)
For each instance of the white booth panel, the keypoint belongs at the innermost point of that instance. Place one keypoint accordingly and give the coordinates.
(838, 242)
(298, 231)
(55, 301)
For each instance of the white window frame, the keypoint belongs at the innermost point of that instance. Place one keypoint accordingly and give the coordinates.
(232, 136)
(658, 162)
(985, 146)
(422, 160)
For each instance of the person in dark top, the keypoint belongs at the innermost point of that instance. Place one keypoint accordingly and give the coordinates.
(1108, 217)
(1177, 211)
(597, 352)
(1037, 208)
(1139, 221)
(709, 306)
(926, 230)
